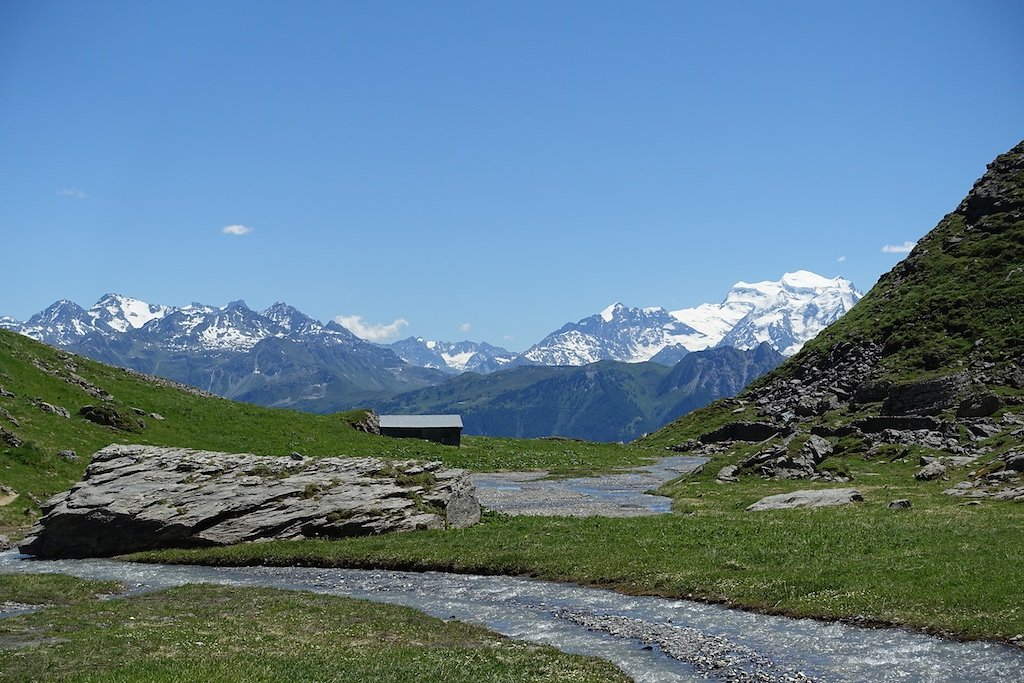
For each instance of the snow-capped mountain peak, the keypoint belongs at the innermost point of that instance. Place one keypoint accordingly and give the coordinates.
(618, 332)
(453, 357)
(785, 313)
(121, 313)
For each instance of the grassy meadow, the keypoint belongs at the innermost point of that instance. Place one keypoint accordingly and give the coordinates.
(217, 633)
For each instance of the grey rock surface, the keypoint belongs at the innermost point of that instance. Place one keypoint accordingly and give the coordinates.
(728, 474)
(9, 438)
(50, 408)
(811, 499)
(979, 405)
(900, 504)
(932, 470)
(142, 497)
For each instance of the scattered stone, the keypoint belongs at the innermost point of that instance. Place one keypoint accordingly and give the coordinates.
(900, 504)
(68, 454)
(5, 543)
(800, 499)
(979, 405)
(7, 495)
(87, 386)
(111, 417)
(776, 461)
(10, 418)
(983, 429)
(9, 438)
(143, 497)
(137, 411)
(157, 416)
(295, 455)
(50, 408)
(728, 474)
(932, 470)
(1014, 461)
(4, 393)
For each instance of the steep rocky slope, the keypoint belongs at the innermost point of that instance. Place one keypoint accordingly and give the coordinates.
(929, 365)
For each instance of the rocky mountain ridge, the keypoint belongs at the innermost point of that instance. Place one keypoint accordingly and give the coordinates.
(785, 313)
(928, 366)
(278, 357)
(453, 357)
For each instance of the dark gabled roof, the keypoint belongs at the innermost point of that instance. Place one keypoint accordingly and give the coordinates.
(420, 421)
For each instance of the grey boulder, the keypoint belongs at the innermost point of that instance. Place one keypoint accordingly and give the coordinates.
(807, 499)
(143, 497)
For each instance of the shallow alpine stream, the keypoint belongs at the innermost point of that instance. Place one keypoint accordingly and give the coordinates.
(651, 639)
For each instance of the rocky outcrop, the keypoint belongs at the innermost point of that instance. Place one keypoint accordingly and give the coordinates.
(779, 462)
(932, 470)
(50, 408)
(368, 423)
(112, 417)
(743, 431)
(926, 397)
(143, 497)
(9, 438)
(979, 405)
(807, 499)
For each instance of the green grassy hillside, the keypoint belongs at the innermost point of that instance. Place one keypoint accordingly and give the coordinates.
(32, 374)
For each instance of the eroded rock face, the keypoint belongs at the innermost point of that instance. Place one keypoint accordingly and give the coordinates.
(143, 497)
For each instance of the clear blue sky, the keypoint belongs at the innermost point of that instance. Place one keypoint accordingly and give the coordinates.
(484, 170)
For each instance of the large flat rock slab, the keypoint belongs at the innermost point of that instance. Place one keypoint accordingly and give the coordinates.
(143, 497)
(807, 499)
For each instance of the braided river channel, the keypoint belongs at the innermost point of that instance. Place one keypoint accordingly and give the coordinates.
(651, 639)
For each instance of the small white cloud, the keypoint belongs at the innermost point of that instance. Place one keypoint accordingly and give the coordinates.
(72, 192)
(370, 331)
(465, 327)
(841, 259)
(509, 338)
(236, 230)
(904, 248)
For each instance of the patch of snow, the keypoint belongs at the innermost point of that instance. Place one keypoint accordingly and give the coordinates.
(458, 361)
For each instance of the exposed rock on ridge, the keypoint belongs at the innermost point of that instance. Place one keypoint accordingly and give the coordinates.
(929, 364)
(143, 497)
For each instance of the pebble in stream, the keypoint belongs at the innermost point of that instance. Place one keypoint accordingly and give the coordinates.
(712, 656)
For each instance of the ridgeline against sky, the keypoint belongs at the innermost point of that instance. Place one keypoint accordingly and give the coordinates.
(480, 171)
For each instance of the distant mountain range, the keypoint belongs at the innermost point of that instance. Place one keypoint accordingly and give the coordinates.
(453, 357)
(785, 313)
(284, 358)
(277, 357)
(602, 401)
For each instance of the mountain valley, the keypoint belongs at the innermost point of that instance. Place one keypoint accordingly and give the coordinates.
(280, 357)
